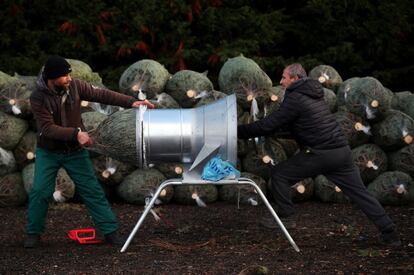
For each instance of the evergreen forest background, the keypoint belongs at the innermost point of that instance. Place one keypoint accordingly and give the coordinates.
(358, 38)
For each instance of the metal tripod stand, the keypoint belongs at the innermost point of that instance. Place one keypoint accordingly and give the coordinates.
(238, 181)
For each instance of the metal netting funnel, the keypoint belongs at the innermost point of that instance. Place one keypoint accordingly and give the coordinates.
(189, 136)
(192, 137)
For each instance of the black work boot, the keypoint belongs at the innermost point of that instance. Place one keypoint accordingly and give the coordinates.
(32, 241)
(390, 238)
(114, 239)
(270, 222)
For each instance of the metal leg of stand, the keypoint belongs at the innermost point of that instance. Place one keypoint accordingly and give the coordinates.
(178, 182)
(147, 209)
(272, 211)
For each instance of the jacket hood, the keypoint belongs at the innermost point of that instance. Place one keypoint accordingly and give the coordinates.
(307, 86)
(41, 83)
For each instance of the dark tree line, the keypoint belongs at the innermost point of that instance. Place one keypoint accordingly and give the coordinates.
(358, 38)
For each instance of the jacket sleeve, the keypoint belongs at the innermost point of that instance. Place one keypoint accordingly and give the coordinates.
(277, 122)
(45, 123)
(92, 93)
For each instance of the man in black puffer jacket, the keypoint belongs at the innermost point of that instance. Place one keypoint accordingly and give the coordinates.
(324, 150)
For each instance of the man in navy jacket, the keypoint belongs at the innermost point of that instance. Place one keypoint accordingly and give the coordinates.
(324, 150)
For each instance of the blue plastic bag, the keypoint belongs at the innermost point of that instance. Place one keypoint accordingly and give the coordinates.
(217, 169)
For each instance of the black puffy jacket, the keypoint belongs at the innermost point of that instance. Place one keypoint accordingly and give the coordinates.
(304, 114)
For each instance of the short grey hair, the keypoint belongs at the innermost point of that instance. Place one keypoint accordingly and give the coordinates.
(296, 69)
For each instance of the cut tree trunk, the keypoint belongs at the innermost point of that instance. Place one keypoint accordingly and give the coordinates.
(303, 190)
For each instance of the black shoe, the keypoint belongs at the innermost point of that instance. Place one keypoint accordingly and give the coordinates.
(114, 239)
(270, 222)
(31, 241)
(391, 238)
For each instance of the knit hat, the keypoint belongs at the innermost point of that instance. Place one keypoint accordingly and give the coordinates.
(56, 66)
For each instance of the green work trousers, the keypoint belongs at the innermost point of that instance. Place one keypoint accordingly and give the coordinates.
(79, 167)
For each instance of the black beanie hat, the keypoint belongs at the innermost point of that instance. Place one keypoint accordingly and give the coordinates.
(56, 66)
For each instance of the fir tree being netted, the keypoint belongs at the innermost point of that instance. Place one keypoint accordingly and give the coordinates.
(400, 99)
(64, 186)
(110, 171)
(210, 98)
(327, 76)
(330, 99)
(371, 161)
(15, 98)
(403, 160)
(171, 170)
(12, 130)
(327, 191)
(116, 136)
(141, 185)
(165, 101)
(274, 99)
(81, 70)
(7, 162)
(394, 132)
(262, 154)
(188, 87)
(367, 98)
(29, 81)
(195, 194)
(91, 120)
(407, 105)
(4, 79)
(393, 188)
(355, 129)
(144, 79)
(25, 151)
(244, 77)
(344, 89)
(12, 192)
(243, 146)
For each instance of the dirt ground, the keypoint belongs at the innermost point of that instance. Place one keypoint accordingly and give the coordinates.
(218, 239)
